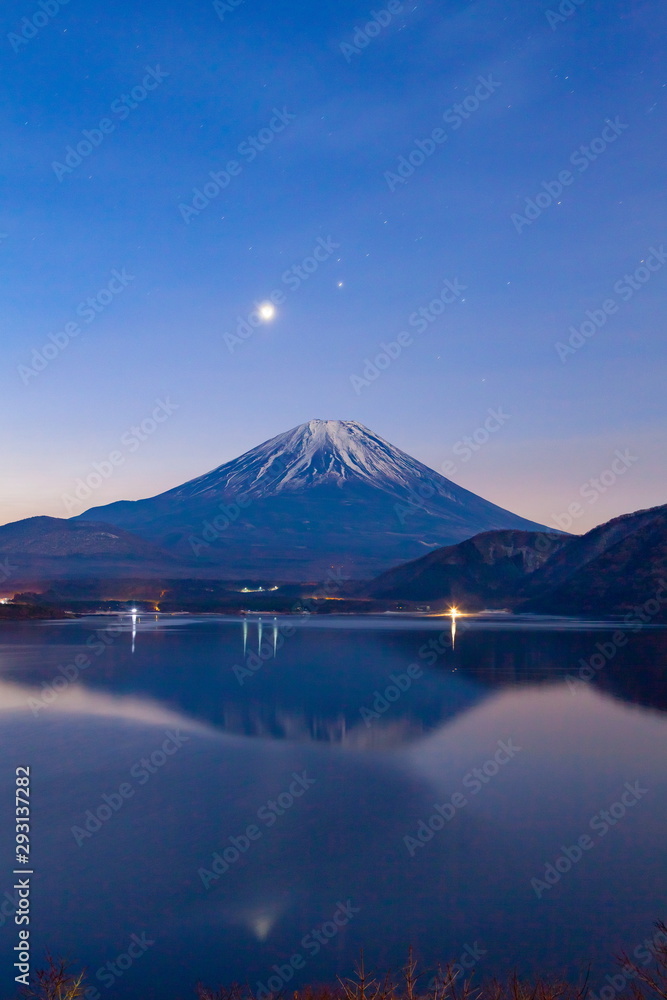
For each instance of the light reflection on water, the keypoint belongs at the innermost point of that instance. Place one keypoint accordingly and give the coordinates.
(376, 779)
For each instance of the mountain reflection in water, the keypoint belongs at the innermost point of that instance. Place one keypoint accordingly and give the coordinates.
(376, 777)
(296, 679)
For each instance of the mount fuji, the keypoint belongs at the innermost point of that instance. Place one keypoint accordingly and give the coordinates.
(329, 494)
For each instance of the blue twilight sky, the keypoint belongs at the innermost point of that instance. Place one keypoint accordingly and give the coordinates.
(325, 169)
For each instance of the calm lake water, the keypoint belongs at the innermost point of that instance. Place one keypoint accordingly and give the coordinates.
(306, 767)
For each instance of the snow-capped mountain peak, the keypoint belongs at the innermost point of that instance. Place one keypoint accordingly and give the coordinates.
(322, 494)
(318, 452)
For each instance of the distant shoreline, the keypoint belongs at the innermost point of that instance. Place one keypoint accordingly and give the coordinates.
(31, 613)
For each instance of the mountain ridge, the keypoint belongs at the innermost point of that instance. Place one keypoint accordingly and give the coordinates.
(615, 568)
(325, 494)
(480, 572)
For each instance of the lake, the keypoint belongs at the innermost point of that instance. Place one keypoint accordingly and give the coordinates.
(258, 800)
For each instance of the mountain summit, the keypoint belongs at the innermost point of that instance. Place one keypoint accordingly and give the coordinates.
(317, 453)
(328, 493)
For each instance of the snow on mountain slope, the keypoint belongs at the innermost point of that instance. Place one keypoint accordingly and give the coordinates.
(318, 452)
(329, 492)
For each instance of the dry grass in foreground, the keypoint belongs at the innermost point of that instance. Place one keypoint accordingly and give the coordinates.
(641, 982)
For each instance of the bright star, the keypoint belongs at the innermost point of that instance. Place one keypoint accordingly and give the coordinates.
(267, 311)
